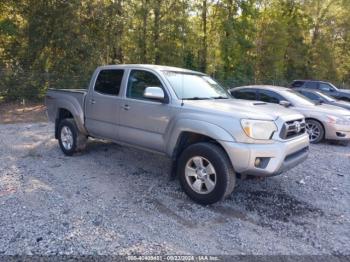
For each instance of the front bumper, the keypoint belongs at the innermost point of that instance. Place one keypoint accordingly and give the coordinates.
(337, 132)
(279, 156)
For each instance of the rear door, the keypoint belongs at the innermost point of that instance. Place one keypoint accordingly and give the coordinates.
(143, 122)
(103, 103)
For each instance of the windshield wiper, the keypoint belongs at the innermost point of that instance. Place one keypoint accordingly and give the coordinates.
(196, 98)
(219, 97)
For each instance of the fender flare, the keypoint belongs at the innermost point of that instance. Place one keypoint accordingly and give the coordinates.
(195, 126)
(77, 113)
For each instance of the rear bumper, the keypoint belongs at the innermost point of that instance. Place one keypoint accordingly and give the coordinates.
(276, 158)
(337, 132)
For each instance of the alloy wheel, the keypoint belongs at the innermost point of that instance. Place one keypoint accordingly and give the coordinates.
(200, 175)
(313, 131)
(67, 138)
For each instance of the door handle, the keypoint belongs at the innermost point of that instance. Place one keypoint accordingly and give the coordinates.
(92, 101)
(126, 107)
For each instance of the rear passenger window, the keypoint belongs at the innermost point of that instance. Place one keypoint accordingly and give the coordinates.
(270, 97)
(312, 85)
(311, 96)
(108, 81)
(245, 94)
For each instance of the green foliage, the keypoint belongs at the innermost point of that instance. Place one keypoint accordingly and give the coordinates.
(56, 43)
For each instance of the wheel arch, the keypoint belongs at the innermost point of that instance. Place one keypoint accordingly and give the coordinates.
(320, 122)
(65, 112)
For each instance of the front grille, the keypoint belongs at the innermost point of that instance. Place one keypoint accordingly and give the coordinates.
(293, 128)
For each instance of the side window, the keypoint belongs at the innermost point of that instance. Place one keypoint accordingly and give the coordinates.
(138, 81)
(297, 83)
(325, 87)
(312, 85)
(108, 81)
(247, 94)
(270, 97)
(311, 96)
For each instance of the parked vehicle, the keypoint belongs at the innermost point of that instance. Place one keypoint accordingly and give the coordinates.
(322, 121)
(319, 97)
(185, 115)
(325, 87)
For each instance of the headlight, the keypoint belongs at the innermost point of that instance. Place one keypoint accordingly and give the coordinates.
(258, 129)
(338, 120)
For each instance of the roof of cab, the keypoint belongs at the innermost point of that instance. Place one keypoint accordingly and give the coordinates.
(149, 66)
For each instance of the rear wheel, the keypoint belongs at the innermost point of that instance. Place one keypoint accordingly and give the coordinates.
(69, 137)
(315, 131)
(206, 173)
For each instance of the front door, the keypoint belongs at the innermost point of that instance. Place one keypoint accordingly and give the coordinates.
(103, 104)
(143, 122)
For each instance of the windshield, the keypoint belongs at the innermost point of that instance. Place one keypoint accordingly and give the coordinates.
(298, 99)
(326, 97)
(195, 86)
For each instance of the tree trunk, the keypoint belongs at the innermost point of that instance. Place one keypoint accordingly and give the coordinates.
(203, 63)
(156, 31)
(143, 40)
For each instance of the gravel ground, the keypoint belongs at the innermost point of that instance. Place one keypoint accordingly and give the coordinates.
(117, 200)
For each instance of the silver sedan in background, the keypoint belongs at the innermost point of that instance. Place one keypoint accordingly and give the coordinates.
(322, 121)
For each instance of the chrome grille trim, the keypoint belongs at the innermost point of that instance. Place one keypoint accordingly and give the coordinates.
(293, 128)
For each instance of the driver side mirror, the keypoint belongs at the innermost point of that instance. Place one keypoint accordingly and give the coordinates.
(154, 93)
(285, 103)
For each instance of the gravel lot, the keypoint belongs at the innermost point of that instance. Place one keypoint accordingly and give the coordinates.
(117, 200)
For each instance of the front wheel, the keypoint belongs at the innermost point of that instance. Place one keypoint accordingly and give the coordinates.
(206, 173)
(315, 131)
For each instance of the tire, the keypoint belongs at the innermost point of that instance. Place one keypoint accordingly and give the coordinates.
(69, 137)
(220, 183)
(315, 131)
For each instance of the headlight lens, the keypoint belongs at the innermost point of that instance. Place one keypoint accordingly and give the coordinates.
(258, 129)
(338, 120)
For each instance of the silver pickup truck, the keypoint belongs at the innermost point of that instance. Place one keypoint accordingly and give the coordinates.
(185, 115)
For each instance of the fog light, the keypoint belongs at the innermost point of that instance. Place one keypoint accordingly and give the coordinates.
(340, 134)
(257, 162)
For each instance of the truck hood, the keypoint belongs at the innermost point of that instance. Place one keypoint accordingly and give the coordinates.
(243, 109)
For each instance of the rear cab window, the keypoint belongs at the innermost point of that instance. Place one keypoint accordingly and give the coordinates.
(109, 81)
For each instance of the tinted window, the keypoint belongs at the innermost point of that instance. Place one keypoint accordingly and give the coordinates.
(138, 81)
(247, 94)
(297, 83)
(270, 97)
(109, 81)
(311, 96)
(312, 85)
(325, 87)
